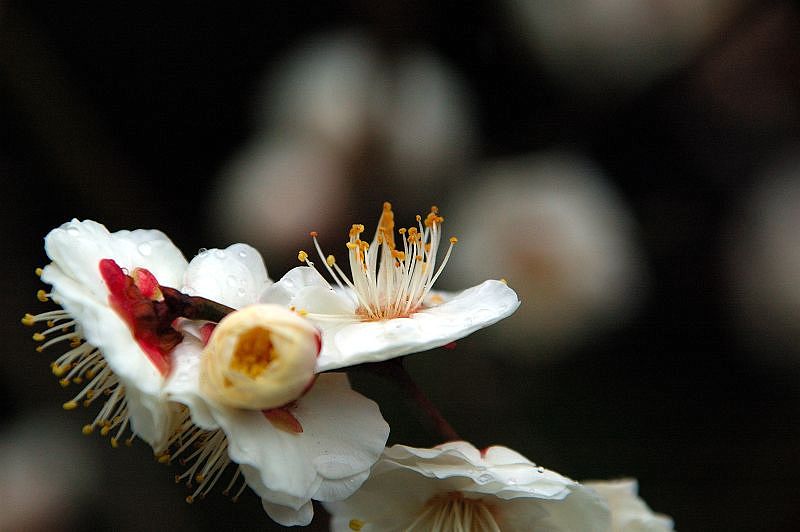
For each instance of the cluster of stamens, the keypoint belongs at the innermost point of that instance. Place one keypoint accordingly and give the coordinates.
(389, 281)
(207, 452)
(83, 364)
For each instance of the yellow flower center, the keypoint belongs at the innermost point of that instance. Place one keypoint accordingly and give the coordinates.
(253, 353)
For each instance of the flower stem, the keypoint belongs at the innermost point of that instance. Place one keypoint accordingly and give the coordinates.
(194, 307)
(396, 370)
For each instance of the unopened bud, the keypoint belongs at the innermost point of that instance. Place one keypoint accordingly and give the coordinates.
(260, 357)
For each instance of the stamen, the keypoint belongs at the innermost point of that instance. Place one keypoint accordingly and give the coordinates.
(388, 282)
(210, 459)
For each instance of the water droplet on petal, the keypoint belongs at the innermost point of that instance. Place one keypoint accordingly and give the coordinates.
(202, 251)
(243, 254)
(145, 249)
(484, 478)
(540, 469)
(73, 231)
(220, 254)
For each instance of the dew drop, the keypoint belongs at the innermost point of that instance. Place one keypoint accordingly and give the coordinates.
(145, 249)
(220, 254)
(202, 251)
(484, 478)
(243, 254)
(73, 231)
(540, 469)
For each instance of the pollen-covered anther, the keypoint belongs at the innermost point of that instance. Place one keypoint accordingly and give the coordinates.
(260, 357)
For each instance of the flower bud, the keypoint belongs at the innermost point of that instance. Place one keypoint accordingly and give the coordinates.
(260, 357)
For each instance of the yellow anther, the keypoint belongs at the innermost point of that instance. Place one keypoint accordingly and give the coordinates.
(313, 234)
(303, 312)
(58, 370)
(189, 499)
(41, 295)
(402, 230)
(200, 478)
(38, 272)
(90, 394)
(50, 323)
(64, 383)
(105, 430)
(418, 218)
(87, 429)
(91, 374)
(75, 342)
(351, 245)
(453, 240)
(164, 458)
(39, 348)
(114, 443)
(356, 524)
(129, 442)
(70, 405)
(28, 319)
(77, 380)
(503, 280)
(302, 256)
(331, 260)
(38, 337)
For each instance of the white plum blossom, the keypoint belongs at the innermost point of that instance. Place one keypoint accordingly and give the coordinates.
(116, 362)
(629, 513)
(387, 307)
(455, 486)
(320, 445)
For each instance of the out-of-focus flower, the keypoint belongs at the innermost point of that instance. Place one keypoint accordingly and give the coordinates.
(561, 235)
(118, 347)
(592, 45)
(339, 113)
(455, 486)
(314, 442)
(388, 308)
(629, 513)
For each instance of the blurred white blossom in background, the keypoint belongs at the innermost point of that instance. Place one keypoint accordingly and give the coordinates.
(562, 237)
(338, 116)
(594, 45)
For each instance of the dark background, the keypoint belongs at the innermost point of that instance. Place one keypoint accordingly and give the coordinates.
(126, 112)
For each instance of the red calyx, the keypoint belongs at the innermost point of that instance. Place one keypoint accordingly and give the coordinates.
(149, 319)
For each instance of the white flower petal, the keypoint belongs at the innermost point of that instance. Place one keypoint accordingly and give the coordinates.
(287, 516)
(303, 288)
(234, 276)
(78, 246)
(407, 481)
(345, 343)
(629, 513)
(343, 435)
(182, 385)
(582, 510)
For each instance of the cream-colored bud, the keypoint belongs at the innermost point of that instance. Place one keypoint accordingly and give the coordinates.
(260, 357)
